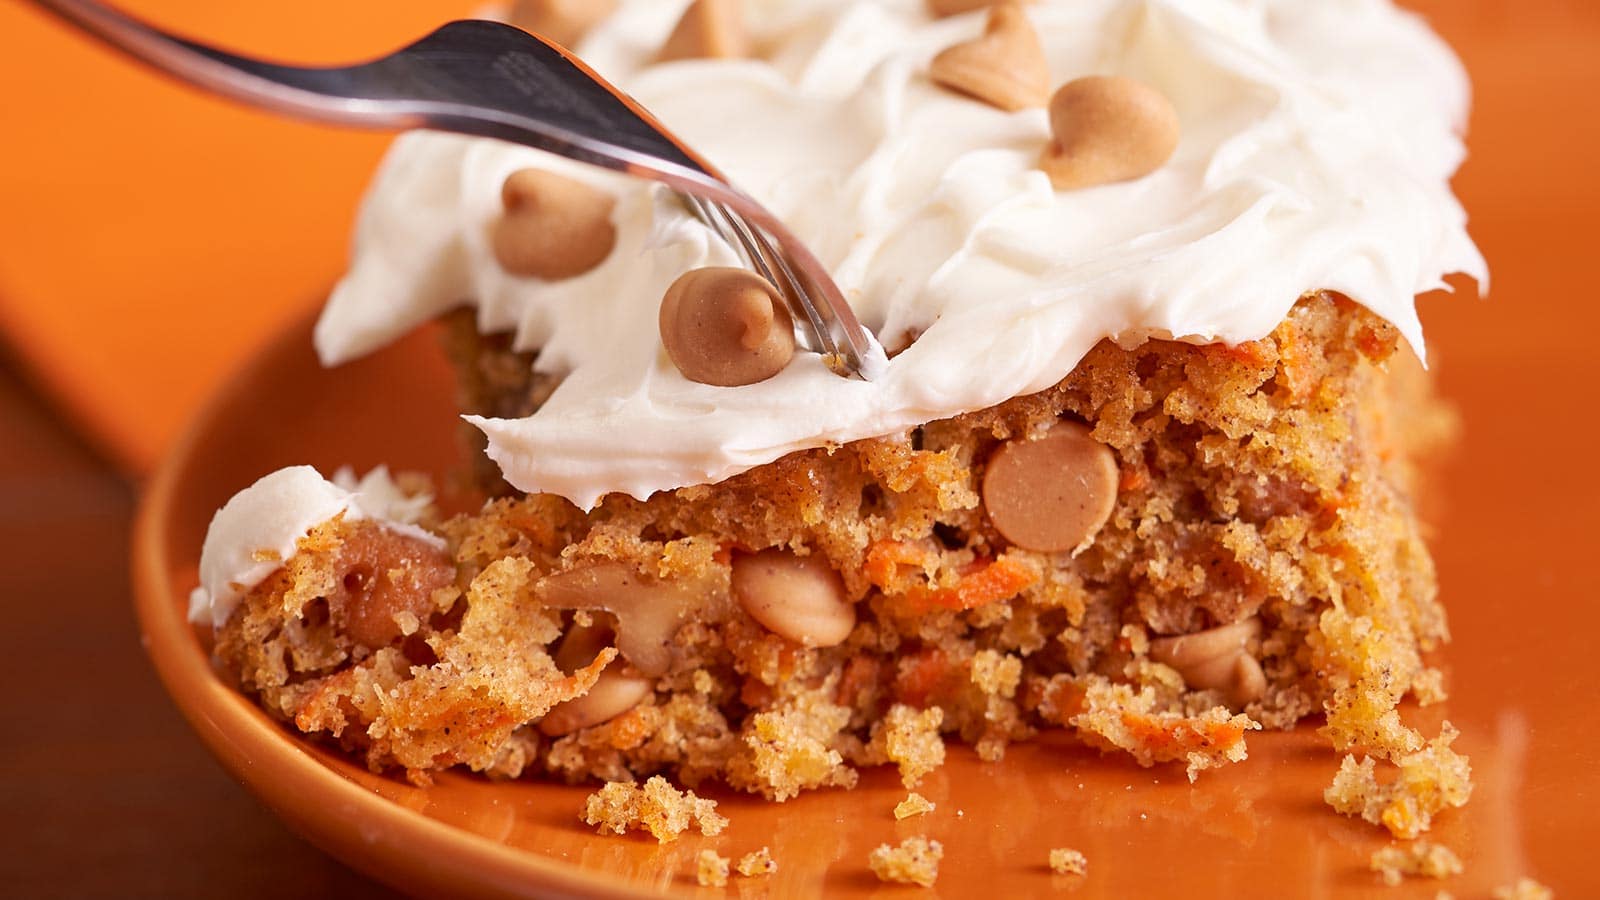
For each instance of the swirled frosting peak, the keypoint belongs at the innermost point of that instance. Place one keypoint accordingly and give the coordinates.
(1318, 140)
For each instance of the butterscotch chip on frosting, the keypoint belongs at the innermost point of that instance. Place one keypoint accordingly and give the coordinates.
(1053, 492)
(726, 327)
(955, 7)
(710, 29)
(1108, 129)
(562, 21)
(1005, 66)
(553, 227)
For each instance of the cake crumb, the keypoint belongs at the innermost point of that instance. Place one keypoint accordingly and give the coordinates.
(656, 807)
(915, 861)
(711, 870)
(1524, 889)
(757, 862)
(910, 739)
(1423, 858)
(1428, 780)
(1116, 717)
(913, 805)
(1066, 861)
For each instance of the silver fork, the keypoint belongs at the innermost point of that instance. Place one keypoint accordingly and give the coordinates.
(492, 80)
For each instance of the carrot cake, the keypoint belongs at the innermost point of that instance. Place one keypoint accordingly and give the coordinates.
(1142, 461)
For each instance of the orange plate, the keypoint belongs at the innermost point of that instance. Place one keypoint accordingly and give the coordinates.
(1523, 613)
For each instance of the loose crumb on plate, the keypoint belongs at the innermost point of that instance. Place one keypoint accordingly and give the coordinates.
(1066, 861)
(913, 805)
(711, 870)
(915, 861)
(656, 807)
(1524, 889)
(757, 862)
(1423, 858)
(1427, 781)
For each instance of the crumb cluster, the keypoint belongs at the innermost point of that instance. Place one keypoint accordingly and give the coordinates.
(655, 806)
(1423, 858)
(1066, 861)
(913, 805)
(914, 861)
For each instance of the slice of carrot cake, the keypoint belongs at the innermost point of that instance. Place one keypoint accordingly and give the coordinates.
(1141, 462)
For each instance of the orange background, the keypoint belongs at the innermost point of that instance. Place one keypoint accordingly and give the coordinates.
(152, 236)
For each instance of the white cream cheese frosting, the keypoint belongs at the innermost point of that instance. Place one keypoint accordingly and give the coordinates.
(1318, 140)
(259, 529)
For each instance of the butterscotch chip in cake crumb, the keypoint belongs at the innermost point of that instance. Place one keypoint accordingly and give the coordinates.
(915, 861)
(756, 863)
(1066, 861)
(1423, 858)
(1524, 889)
(656, 807)
(913, 805)
(711, 870)
(1426, 782)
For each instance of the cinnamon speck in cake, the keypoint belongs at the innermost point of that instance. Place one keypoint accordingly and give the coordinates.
(915, 861)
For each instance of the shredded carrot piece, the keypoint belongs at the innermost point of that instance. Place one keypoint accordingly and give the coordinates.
(1167, 738)
(920, 676)
(980, 584)
(885, 558)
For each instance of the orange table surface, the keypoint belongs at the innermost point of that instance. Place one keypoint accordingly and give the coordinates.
(152, 236)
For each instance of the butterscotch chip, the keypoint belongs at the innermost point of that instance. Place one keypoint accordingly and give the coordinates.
(1216, 659)
(1005, 66)
(915, 861)
(613, 693)
(1051, 493)
(553, 227)
(943, 8)
(799, 597)
(1066, 861)
(562, 21)
(726, 327)
(710, 29)
(1108, 129)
